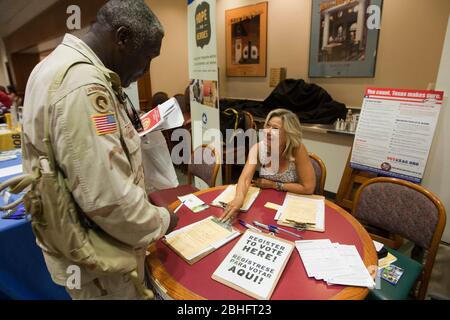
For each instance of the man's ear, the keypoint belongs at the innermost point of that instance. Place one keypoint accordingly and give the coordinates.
(123, 36)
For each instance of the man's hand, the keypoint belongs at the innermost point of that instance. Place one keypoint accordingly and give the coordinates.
(173, 222)
(265, 184)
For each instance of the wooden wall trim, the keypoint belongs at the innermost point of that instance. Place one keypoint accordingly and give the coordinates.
(145, 92)
(50, 24)
(23, 64)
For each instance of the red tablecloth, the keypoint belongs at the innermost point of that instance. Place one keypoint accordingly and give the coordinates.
(293, 284)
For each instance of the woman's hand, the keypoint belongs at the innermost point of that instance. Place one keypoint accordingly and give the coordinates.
(265, 184)
(231, 211)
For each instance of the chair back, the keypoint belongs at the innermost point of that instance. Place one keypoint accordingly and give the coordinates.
(320, 171)
(159, 98)
(182, 102)
(404, 209)
(187, 97)
(204, 164)
(249, 121)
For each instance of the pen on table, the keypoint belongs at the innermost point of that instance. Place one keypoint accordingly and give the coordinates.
(248, 226)
(273, 228)
(288, 232)
(179, 206)
(262, 225)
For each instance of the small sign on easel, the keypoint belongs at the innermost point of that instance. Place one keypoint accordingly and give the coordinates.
(395, 132)
(393, 138)
(255, 264)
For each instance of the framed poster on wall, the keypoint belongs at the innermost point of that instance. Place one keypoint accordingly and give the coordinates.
(246, 41)
(344, 38)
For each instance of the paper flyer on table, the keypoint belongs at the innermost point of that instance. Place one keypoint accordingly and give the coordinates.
(194, 203)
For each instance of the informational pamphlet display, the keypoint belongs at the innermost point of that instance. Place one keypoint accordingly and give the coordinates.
(395, 132)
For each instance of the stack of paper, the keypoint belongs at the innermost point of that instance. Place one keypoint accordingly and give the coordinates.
(334, 263)
(229, 193)
(9, 171)
(9, 155)
(302, 210)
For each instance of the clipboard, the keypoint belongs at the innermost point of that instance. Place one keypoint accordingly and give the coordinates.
(195, 241)
(228, 194)
(235, 251)
(320, 216)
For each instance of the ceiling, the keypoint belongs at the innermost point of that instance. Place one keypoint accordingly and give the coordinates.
(15, 13)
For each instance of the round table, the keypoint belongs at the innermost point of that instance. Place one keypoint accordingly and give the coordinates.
(179, 280)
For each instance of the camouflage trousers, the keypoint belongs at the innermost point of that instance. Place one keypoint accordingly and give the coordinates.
(111, 287)
(97, 287)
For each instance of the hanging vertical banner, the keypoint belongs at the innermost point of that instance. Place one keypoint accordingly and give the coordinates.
(203, 74)
(395, 132)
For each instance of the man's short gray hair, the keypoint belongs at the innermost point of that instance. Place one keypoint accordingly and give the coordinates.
(136, 16)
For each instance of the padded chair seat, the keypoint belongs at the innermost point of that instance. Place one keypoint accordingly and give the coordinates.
(164, 198)
(412, 270)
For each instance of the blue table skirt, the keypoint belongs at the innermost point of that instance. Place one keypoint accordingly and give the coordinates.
(23, 273)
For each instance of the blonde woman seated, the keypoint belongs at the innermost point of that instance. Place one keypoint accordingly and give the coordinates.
(283, 160)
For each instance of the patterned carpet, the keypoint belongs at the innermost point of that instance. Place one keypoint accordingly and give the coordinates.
(439, 286)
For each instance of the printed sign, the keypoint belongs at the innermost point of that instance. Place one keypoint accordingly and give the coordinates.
(202, 24)
(203, 75)
(255, 264)
(395, 132)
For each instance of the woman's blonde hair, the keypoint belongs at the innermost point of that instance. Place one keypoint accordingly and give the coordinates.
(293, 130)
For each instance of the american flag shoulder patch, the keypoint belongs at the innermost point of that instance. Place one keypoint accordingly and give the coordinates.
(105, 123)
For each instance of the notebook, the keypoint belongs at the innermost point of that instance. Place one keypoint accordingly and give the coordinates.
(197, 240)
